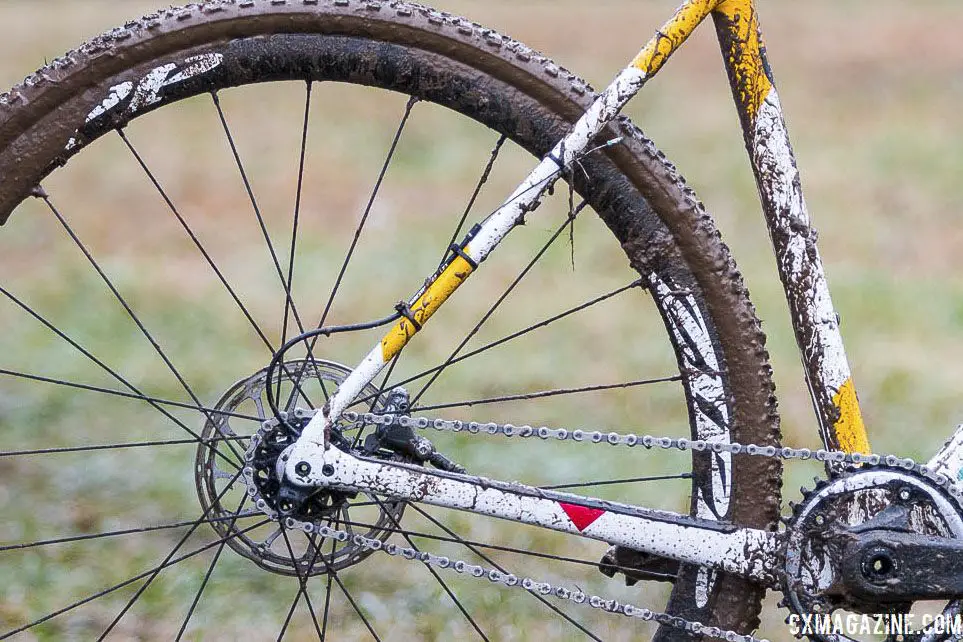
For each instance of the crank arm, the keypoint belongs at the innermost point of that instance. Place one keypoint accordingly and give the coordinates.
(745, 552)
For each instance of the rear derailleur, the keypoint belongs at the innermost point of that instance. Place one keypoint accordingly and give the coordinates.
(391, 441)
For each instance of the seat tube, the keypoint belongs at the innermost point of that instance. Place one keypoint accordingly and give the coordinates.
(815, 321)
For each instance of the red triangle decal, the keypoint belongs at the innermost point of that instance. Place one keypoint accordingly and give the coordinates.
(581, 516)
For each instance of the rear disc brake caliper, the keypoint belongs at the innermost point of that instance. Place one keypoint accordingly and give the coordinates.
(398, 437)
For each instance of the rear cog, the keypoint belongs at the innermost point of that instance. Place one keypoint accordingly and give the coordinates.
(236, 479)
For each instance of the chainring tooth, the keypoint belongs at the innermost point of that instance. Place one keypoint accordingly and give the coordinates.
(843, 502)
(798, 596)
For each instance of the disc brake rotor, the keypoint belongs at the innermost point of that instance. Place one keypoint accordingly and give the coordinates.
(233, 500)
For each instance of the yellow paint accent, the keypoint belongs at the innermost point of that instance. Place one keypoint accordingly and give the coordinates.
(426, 305)
(849, 428)
(672, 34)
(745, 54)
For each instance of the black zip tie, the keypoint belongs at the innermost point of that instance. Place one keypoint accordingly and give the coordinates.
(460, 251)
(555, 159)
(405, 310)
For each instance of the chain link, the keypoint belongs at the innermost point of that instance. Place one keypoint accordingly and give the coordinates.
(522, 583)
(594, 438)
(631, 440)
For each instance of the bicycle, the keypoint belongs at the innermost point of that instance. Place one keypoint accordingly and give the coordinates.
(321, 438)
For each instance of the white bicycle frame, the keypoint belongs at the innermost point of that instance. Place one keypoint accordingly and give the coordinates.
(742, 551)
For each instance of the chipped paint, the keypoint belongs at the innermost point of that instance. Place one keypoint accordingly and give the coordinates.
(671, 36)
(117, 94)
(794, 242)
(709, 407)
(949, 460)
(742, 551)
(705, 582)
(511, 213)
(426, 305)
(850, 431)
(744, 53)
(801, 271)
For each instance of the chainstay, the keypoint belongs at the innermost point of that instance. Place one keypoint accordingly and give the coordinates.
(476, 571)
(595, 437)
(510, 580)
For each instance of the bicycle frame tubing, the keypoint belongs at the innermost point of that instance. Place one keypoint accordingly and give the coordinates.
(767, 141)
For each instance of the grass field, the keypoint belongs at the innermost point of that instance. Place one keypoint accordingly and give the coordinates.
(873, 104)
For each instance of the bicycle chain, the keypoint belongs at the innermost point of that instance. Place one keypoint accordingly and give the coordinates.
(595, 437)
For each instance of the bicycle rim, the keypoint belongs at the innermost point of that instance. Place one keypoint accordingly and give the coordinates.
(406, 51)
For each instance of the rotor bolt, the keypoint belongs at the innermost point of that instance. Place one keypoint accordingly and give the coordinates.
(904, 494)
(327, 470)
(303, 468)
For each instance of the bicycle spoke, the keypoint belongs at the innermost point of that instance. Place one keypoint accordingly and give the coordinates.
(288, 301)
(571, 222)
(126, 531)
(367, 209)
(550, 393)
(143, 587)
(538, 255)
(210, 260)
(302, 586)
(127, 582)
(303, 589)
(327, 590)
(130, 312)
(488, 560)
(119, 378)
(287, 618)
(197, 243)
(364, 217)
(354, 605)
(129, 395)
(345, 518)
(514, 335)
(96, 447)
(434, 573)
(333, 575)
(612, 482)
(270, 245)
(254, 204)
(471, 201)
(210, 570)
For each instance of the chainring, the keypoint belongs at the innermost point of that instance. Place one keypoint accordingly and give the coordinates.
(811, 578)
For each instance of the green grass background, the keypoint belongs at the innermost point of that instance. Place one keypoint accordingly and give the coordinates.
(872, 96)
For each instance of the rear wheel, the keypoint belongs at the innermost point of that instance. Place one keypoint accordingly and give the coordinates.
(305, 168)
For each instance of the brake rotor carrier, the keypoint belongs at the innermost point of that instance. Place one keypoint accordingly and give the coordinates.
(285, 545)
(813, 579)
